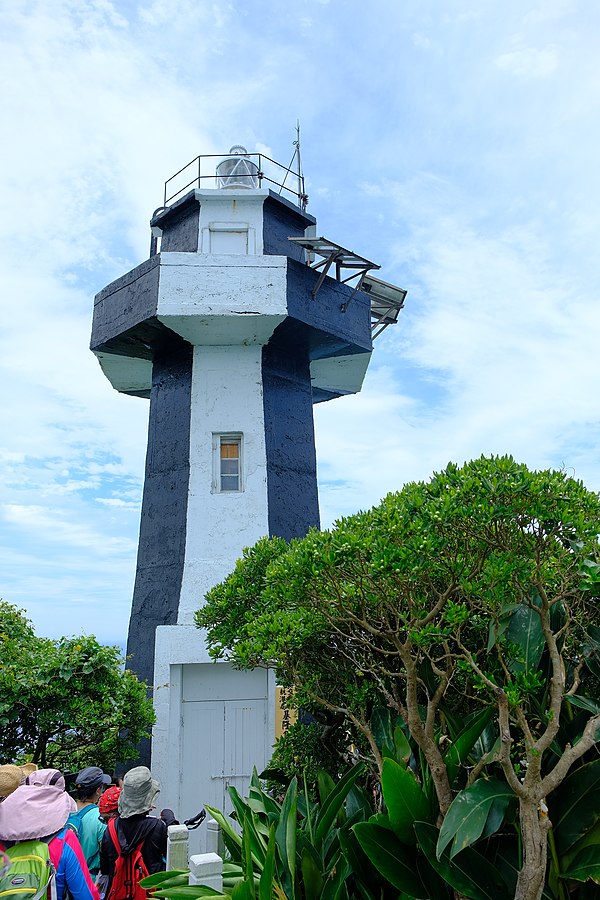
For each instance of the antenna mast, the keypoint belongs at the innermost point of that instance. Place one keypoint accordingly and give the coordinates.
(301, 194)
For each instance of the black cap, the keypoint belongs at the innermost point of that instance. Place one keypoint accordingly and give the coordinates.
(91, 779)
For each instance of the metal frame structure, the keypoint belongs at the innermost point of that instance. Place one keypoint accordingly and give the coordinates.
(280, 173)
(386, 299)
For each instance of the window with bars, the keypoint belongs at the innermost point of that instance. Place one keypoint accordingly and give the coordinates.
(227, 455)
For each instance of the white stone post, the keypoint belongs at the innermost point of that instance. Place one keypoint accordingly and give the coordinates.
(214, 838)
(177, 847)
(207, 869)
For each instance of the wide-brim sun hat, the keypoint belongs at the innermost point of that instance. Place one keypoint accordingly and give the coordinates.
(138, 792)
(34, 811)
(46, 777)
(10, 779)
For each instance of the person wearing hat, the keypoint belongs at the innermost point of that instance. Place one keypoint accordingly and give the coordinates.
(87, 824)
(134, 827)
(12, 776)
(10, 779)
(108, 804)
(38, 810)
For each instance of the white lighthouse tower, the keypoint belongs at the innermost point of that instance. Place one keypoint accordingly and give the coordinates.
(239, 321)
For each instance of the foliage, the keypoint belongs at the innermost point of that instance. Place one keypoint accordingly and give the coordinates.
(303, 750)
(473, 594)
(66, 703)
(293, 850)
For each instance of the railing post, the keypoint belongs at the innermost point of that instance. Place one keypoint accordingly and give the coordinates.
(214, 838)
(207, 869)
(177, 847)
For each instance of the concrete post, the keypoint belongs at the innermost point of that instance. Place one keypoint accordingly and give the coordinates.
(177, 847)
(207, 869)
(214, 838)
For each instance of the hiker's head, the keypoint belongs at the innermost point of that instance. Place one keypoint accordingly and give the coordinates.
(91, 783)
(46, 777)
(10, 779)
(37, 808)
(138, 792)
(108, 804)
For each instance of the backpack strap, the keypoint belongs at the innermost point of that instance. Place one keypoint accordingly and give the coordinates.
(112, 830)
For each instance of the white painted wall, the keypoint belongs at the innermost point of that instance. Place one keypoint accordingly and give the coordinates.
(227, 396)
(224, 299)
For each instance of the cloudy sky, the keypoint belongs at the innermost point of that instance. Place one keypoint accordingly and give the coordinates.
(455, 142)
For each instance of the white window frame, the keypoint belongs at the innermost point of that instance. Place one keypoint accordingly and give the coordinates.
(226, 437)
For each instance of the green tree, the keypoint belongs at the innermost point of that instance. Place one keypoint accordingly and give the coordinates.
(474, 591)
(66, 703)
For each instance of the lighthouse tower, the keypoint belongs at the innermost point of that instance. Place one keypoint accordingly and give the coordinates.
(239, 321)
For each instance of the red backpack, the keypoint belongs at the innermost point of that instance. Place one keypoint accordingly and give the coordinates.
(129, 871)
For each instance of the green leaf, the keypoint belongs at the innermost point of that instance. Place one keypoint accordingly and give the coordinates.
(334, 803)
(469, 872)
(401, 745)
(459, 751)
(404, 798)
(172, 877)
(243, 891)
(187, 893)
(466, 819)
(325, 785)
(381, 726)
(575, 805)
(525, 630)
(312, 879)
(392, 859)
(334, 887)
(583, 703)
(585, 866)
(265, 884)
(285, 835)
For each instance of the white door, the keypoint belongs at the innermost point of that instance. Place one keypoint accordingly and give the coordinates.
(224, 735)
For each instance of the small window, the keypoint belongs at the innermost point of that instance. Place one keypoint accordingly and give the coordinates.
(228, 462)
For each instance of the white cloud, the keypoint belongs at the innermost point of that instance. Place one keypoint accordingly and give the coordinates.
(459, 150)
(529, 62)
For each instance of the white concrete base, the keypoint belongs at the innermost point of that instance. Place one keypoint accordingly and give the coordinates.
(213, 725)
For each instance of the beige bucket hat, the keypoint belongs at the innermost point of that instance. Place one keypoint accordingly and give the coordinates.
(138, 792)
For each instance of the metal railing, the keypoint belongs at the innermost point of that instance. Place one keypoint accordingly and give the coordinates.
(195, 175)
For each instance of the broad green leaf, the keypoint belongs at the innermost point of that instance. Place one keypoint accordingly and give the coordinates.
(359, 863)
(187, 893)
(358, 800)
(325, 785)
(392, 859)
(404, 798)
(334, 887)
(312, 879)
(586, 865)
(334, 803)
(243, 891)
(381, 726)
(285, 835)
(460, 749)
(466, 819)
(252, 829)
(469, 872)
(401, 745)
(583, 703)
(172, 877)
(525, 630)
(498, 628)
(265, 884)
(575, 805)
(231, 838)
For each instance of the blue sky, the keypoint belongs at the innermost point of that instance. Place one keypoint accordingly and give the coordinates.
(454, 142)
